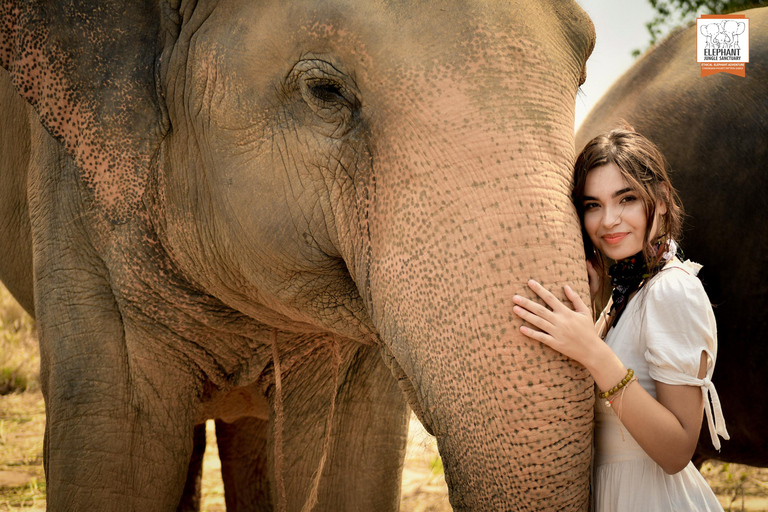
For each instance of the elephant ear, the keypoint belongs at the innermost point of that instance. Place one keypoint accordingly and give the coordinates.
(87, 68)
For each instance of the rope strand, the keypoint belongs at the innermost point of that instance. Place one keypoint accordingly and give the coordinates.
(279, 421)
(311, 501)
(312, 498)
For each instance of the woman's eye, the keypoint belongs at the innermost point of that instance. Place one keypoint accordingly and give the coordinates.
(590, 206)
(628, 199)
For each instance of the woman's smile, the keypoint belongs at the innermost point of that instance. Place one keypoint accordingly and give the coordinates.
(614, 238)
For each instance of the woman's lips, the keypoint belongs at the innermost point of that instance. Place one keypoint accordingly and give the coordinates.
(614, 238)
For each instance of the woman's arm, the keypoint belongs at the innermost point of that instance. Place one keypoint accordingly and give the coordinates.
(667, 428)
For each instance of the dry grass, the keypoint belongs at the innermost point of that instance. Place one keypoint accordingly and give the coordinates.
(19, 357)
(22, 421)
(738, 487)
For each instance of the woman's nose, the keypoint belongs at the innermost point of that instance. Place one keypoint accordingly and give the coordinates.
(611, 216)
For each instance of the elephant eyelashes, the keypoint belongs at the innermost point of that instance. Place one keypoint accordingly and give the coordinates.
(327, 91)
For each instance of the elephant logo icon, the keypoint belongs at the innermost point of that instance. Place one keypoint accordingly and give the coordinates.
(723, 35)
(711, 31)
(722, 39)
(722, 43)
(732, 29)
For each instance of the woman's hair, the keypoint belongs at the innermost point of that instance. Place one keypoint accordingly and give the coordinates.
(644, 168)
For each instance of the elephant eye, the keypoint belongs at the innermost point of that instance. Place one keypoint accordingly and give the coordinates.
(328, 92)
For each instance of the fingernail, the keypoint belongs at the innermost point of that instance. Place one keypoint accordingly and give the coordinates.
(523, 329)
(517, 298)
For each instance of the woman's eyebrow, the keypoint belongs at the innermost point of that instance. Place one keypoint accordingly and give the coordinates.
(615, 194)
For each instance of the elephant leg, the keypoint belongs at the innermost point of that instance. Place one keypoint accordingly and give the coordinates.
(119, 433)
(370, 437)
(190, 499)
(244, 464)
(121, 406)
(366, 449)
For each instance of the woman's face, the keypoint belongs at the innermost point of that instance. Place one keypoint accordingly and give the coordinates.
(614, 216)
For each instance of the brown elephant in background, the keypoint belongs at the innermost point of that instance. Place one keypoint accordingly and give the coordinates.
(300, 219)
(712, 130)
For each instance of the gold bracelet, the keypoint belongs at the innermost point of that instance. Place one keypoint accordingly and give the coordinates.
(615, 389)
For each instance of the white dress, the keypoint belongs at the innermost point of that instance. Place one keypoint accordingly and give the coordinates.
(661, 335)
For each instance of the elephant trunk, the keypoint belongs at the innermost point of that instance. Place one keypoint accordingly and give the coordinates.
(455, 231)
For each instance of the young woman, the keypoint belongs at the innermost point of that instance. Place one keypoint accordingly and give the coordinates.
(652, 351)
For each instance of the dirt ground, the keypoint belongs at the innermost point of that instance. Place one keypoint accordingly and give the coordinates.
(22, 483)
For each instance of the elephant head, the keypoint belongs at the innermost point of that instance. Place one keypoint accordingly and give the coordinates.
(721, 40)
(710, 31)
(733, 28)
(384, 174)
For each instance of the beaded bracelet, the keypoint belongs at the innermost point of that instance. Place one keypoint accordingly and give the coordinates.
(615, 389)
(609, 400)
(609, 403)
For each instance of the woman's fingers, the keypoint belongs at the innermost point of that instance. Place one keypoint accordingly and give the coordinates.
(569, 331)
(592, 273)
(554, 302)
(534, 307)
(545, 295)
(594, 279)
(578, 304)
(532, 318)
(537, 335)
(545, 319)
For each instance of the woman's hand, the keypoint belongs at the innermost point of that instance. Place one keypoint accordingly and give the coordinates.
(594, 281)
(667, 429)
(570, 332)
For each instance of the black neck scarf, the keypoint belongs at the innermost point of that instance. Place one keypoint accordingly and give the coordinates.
(626, 277)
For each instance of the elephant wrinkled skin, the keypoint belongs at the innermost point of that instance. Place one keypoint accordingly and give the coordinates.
(712, 132)
(350, 193)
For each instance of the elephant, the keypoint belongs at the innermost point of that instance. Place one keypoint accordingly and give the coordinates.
(710, 31)
(734, 29)
(299, 219)
(712, 132)
(721, 40)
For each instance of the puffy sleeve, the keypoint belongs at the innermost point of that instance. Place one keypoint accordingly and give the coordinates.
(678, 326)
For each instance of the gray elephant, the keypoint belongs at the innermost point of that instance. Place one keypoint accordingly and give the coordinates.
(297, 218)
(712, 131)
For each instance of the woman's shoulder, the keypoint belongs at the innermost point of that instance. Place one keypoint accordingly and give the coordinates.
(678, 281)
(679, 320)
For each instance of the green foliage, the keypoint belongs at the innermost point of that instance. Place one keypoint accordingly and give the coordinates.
(671, 14)
(436, 466)
(19, 356)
